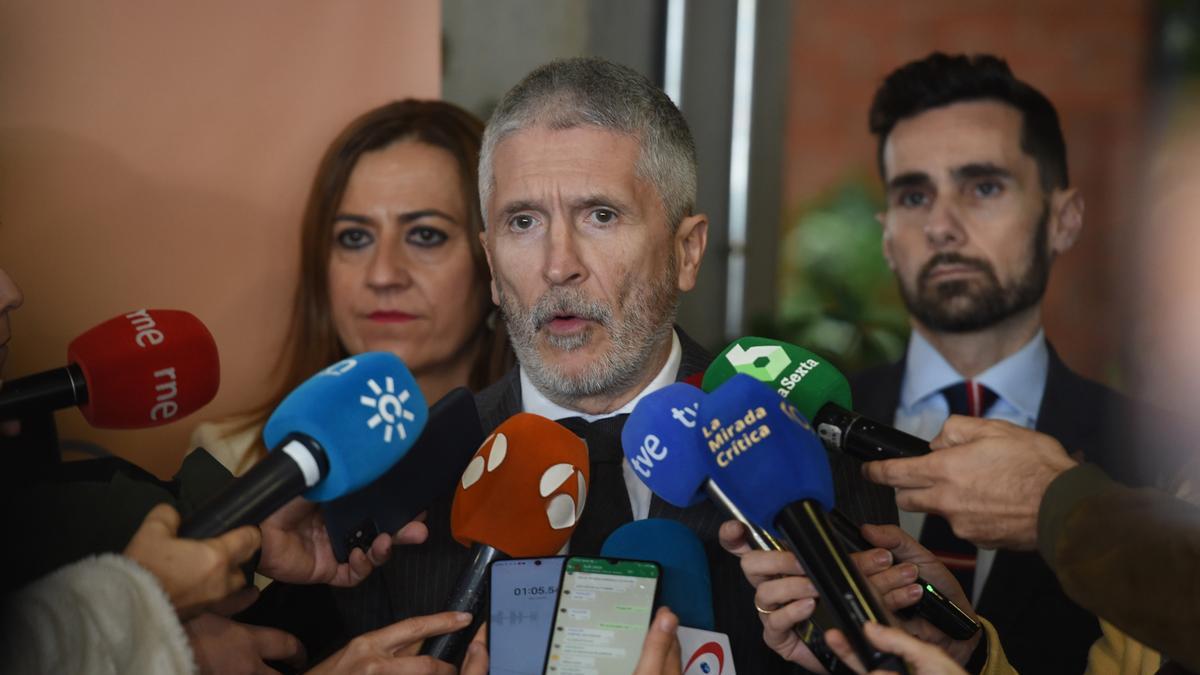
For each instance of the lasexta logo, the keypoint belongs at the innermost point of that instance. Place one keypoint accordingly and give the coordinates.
(762, 362)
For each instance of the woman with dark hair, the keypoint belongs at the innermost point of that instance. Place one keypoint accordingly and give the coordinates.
(390, 260)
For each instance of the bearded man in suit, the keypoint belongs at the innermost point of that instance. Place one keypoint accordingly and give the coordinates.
(978, 207)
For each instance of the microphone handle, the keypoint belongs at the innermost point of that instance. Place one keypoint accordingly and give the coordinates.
(864, 438)
(41, 392)
(842, 589)
(809, 631)
(467, 597)
(296, 464)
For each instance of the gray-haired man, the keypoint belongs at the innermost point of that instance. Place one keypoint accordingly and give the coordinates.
(588, 183)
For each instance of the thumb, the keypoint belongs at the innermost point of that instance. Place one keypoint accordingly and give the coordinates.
(901, 644)
(239, 544)
(162, 519)
(658, 645)
(733, 538)
(957, 430)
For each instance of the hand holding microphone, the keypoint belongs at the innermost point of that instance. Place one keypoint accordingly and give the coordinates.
(987, 477)
(763, 455)
(297, 549)
(333, 434)
(662, 442)
(194, 574)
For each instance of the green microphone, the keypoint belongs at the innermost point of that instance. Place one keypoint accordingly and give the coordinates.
(819, 391)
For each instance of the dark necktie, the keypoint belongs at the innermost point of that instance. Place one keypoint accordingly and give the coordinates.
(607, 505)
(958, 555)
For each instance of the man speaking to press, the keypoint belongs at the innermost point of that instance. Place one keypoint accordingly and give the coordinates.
(588, 184)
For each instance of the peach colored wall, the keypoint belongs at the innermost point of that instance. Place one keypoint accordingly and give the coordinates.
(157, 154)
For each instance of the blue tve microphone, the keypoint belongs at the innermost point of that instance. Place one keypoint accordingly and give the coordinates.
(686, 586)
(332, 435)
(664, 446)
(763, 454)
(661, 441)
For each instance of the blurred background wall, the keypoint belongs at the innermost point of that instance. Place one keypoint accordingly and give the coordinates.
(157, 154)
(1092, 59)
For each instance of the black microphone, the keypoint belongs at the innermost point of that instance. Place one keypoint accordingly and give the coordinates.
(864, 438)
(933, 606)
(764, 456)
(328, 438)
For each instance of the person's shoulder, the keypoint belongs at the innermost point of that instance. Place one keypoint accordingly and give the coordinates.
(877, 375)
(228, 440)
(1080, 388)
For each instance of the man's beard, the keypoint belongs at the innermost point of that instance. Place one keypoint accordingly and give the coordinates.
(939, 307)
(648, 316)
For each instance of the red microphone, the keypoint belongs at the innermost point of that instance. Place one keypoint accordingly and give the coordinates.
(142, 369)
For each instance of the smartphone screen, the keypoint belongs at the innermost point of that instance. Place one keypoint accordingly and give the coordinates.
(603, 612)
(523, 593)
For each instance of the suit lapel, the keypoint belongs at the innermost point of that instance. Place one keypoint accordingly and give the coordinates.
(500, 401)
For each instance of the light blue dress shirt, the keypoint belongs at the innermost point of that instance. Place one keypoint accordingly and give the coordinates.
(1018, 381)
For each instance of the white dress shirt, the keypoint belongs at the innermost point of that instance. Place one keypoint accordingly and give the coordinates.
(1018, 382)
(533, 401)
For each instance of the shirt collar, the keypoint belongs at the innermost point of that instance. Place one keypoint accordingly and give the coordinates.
(534, 401)
(1019, 379)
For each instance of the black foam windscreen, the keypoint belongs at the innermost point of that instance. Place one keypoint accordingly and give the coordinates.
(430, 469)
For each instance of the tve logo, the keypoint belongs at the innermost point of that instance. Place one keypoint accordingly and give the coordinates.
(388, 404)
(652, 449)
(750, 361)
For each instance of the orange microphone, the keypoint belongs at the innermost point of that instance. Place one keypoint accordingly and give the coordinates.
(521, 496)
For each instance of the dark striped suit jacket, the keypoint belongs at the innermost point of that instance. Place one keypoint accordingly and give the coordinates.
(419, 579)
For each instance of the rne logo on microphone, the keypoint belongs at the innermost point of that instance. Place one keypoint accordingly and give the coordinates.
(751, 361)
(389, 408)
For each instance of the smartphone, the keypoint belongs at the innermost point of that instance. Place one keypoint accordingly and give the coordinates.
(431, 468)
(603, 612)
(522, 598)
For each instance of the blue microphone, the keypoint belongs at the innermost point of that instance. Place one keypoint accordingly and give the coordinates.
(763, 454)
(335, 433)
(663, 443)
(686, 586)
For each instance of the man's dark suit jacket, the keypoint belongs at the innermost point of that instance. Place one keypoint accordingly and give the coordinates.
(1041, 629)
(419, 579)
